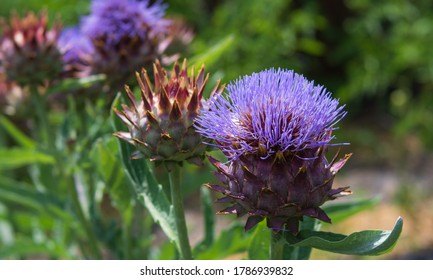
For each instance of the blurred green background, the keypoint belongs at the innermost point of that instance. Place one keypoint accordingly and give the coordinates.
(376, 56)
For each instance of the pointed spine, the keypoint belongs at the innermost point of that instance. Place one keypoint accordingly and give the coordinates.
(194, 102)
(164, 104)
(176, 113)
(131, 98)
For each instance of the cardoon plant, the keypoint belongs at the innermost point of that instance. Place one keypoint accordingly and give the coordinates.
(28, 50)
(126, 35)
(160, 125)
(161, 122)
(30, 57)
(274, 127)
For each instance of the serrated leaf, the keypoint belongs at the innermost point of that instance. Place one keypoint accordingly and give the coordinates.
(149, 192)
(17, 157)
(368, 242)
(343, 210)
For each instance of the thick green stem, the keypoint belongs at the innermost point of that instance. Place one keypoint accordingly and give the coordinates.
(179, 213)
(41, 117)
(85, 223)
(280, 248)
(277, 245)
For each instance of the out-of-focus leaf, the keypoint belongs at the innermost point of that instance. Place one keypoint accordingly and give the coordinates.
(213, 54)
(109, 167)
(343, 210)
(16, 157)
(68, 11)
(232, 240)
(70, 84)
(167, 251)
(368, 242)
(149, 192)
(260, 243)
(209, 220)
(16, 133)
(26, 248)
(12, 191)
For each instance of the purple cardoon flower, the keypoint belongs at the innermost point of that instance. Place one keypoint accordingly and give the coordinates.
(115, 20)
(77, 51)
(274, 126)
(126, 35)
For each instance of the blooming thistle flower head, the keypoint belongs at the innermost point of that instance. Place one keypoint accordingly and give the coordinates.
(274, 126)
(125, 34)
(161, 122)
(28, 50)
(77, 51)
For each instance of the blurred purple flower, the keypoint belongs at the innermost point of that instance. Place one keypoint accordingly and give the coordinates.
(274, 126)
(74, 44)
(77, 51)
(115, 20)
(126, 35)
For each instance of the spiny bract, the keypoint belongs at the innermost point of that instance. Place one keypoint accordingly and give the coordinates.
(161, 122)
(274, 127)
(29, 54)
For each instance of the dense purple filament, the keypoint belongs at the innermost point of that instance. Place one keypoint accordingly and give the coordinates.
(271, 111)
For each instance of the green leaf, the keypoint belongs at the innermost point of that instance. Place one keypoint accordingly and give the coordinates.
(148, 190)
(25, 248)
(67, 85)
(260, 243)
(213, 53)
(17, 157)
(232, 240)
(343, 210)
(19, 193)
(110, 171)
(16, 133)
(261, 240)
(209, 220)
(303, 253)
(368, 242)
(166, 251)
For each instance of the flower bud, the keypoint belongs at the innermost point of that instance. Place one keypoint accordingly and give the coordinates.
(161, 121)
(28, 50)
